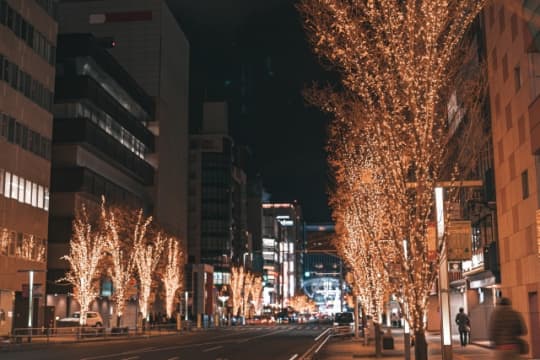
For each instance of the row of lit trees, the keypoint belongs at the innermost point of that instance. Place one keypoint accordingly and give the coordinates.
(122, 244)
(390, 138)
(246, 288)
(302, 304)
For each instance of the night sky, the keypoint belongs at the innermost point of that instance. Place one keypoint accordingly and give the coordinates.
(254, 54)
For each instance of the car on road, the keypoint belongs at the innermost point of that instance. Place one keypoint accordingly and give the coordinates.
(344, 323)
(93, 318)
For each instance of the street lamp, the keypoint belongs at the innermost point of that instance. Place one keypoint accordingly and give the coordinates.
(31, 273)
(223, 298)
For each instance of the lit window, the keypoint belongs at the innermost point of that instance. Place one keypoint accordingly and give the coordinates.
(40, 197)
(7, 184)
(21, 190)
(46, 205)
(28, 193)
(1, 181)
(34, 195)
(14, 186)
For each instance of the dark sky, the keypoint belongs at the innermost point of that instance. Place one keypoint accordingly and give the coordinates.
(254, 54)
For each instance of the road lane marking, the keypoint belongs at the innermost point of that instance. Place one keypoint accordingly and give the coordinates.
(322, 344)
(294, 357)
(322, 334)
(146, 349)
(132, 358)
(212, 348)
(174, 358)
(260, 336)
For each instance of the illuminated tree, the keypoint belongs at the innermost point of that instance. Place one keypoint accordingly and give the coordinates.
(173, 273)
(119, 245)
(237, 288)
(256, 293)
(86, 249)
(248, 288)
(302, 304)
(398, 60)
(147, 252)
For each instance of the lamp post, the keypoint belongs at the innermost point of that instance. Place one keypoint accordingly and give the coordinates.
(31, 273)
(223, 298)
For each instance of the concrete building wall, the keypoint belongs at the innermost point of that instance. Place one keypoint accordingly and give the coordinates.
(151, 46)
(21, 221)
(512, 71)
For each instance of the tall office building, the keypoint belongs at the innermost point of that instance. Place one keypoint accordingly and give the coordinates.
(513, 48)
(218, 232)
(100, 147)
(27, 56)
(282, 234)
(147, 41)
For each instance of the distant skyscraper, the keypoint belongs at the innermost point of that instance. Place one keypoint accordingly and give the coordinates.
(147, 41)
(281, 238)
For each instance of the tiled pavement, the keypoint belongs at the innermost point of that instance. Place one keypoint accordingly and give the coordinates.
(351, 348)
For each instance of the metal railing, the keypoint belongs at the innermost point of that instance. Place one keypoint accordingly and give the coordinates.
(84, 333)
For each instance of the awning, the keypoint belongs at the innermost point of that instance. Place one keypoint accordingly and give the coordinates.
(482, 279)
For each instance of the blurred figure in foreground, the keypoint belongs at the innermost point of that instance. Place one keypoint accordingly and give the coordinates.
(505, 328)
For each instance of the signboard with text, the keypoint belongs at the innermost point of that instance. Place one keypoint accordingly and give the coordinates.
(459, 240)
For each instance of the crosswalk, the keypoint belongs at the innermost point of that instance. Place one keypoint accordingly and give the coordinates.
(280, 327)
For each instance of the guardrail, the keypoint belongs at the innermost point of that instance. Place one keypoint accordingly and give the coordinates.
(317, 346)
(82, 333)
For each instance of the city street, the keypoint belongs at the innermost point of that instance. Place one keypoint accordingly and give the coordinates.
(232, 343)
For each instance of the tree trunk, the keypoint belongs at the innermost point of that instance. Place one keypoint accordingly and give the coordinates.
(118, 321)
(420, 345)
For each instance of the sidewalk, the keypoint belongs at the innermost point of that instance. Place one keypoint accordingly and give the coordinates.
(351, 348)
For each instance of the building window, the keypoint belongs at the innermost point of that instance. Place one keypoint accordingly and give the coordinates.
(525, 184)
(24, 191)
(505, 67)
(17, 133)
(517, 78)
(508, 116)
(514, 26)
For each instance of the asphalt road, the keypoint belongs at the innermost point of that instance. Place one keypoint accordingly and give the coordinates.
(279, 342)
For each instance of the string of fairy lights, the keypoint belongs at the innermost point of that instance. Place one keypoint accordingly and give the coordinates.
(396, 59)
(245, 287)
(85, 254)
(122, 245)
(172, 277)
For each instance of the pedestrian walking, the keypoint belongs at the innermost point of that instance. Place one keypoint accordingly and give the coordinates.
(505, 328)
(464, 326)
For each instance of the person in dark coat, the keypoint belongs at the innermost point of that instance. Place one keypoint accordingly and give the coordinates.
(464, 326)
(505, 328)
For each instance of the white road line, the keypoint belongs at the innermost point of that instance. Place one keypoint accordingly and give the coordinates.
(146, 349)
(212, 348)
(260, 336)
(132, 358)
(322, 334)
(322, 344)
(174, 358)
(294, 357)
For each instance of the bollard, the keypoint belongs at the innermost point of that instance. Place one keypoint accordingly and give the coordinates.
(178, 322)
(199, 320)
